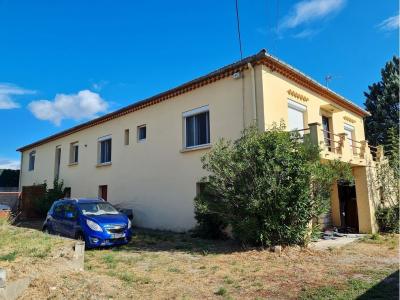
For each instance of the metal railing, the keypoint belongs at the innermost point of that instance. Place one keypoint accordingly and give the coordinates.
(339, 144)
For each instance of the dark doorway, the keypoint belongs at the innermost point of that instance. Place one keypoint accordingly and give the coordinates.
(348, 206)
(103, 192)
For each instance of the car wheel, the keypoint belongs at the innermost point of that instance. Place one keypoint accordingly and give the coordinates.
(46, 230)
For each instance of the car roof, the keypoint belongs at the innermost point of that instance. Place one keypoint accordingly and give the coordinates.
(80, 200)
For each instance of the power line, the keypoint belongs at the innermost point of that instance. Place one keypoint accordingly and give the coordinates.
(238, 29)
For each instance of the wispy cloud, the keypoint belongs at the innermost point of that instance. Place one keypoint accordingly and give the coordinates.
(306, 33)
(7, 93)
(307, 11)
(99, 85)
(389, 24)
(83, 105)
(9, 164)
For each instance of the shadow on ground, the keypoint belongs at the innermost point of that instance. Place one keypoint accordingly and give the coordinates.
(30, 223)
(156, 240)
(388, 288)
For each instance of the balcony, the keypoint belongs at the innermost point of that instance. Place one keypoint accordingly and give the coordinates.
(341, 147)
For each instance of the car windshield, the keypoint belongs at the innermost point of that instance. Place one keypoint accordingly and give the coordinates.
(97, 208)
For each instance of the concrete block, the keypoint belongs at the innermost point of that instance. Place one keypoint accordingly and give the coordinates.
(277, 249)
(79, 256)
(3, 278)
(12, 290)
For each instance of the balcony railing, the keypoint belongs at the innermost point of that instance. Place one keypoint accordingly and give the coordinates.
(340, 146)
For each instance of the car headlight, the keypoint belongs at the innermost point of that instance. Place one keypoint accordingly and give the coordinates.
(93, 225)
(129, 224)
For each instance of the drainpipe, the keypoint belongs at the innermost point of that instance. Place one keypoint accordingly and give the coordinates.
(253, 93)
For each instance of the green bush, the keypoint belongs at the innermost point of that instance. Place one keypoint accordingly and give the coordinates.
(42, 204)
(267, 185)
(388, 219)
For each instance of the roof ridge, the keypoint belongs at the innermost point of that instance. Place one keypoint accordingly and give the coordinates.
(261, 56)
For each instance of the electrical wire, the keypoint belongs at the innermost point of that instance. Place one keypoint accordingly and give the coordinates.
(238, 29)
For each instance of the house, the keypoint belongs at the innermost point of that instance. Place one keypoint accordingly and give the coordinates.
(146, 156)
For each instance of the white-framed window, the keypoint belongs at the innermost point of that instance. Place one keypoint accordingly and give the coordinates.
(32, 156)
(104, 149)
(74, 153)
(296, 113)
(349, 130)
(141, 133)
(196, 127)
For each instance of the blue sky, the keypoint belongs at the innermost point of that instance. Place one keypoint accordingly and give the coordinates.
(64, 62)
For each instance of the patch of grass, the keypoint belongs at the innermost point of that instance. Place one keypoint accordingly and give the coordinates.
(110, 261)
(126, 277)
(390, 240)
(221, 291)
(9, 257)
(228, 280)
(40, 252)
(361, 289)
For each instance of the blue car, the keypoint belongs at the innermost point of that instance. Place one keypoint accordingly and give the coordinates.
(95, 221)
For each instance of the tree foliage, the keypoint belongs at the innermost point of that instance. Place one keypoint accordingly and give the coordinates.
(387, 213)
(382, 101)
(9, 178)
(267, 186)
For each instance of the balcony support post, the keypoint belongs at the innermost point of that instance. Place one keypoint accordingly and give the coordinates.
(342, 141)
(315, 133)
(363, 149)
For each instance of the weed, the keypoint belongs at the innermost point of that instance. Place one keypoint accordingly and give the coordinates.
(221, 291)
(126, 277)
(375, 237)
(228, 280)
(110, 260)
(9, 257)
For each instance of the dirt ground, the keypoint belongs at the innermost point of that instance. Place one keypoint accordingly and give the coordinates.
(162, 265)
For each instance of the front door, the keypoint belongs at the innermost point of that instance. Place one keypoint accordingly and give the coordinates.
(348, 206)
(103, 192)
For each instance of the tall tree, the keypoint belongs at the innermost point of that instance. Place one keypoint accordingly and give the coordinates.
(382, 101)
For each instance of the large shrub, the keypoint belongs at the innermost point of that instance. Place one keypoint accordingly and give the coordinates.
(43, 203)
(388, 219)
(268, 186)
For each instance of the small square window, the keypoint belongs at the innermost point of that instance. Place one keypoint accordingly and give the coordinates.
(142, 133)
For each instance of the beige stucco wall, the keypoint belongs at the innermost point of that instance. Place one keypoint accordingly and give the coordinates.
(276, 105)
(155, 177)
